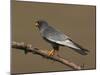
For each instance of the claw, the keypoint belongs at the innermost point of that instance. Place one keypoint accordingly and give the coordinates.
(51, 53)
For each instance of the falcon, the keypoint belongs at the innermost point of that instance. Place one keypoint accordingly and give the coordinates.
(57, 38)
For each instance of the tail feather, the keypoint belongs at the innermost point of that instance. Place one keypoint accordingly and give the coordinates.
(81, 50)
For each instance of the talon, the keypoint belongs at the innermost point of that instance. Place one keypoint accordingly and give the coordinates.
(51, 53)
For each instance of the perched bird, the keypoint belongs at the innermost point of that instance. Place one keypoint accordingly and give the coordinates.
(57, 38)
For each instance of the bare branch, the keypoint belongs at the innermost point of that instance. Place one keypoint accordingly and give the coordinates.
(28, 48)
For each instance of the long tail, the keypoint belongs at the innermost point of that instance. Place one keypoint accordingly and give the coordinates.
(77, 48)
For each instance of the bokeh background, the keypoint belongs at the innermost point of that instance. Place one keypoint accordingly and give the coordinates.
(77, 21)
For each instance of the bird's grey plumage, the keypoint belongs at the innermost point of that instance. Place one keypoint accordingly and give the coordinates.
(57, 37)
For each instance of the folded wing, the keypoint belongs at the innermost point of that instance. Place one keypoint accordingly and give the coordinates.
(62, 39)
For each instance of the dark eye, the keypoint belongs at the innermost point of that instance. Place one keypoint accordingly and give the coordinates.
(38, 22)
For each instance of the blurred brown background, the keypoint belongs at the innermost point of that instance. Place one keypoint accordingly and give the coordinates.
(77, 21)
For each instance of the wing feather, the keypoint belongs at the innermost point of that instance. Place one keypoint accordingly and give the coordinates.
(60, 38)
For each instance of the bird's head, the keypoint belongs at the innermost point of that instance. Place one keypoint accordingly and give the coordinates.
(41, 24)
